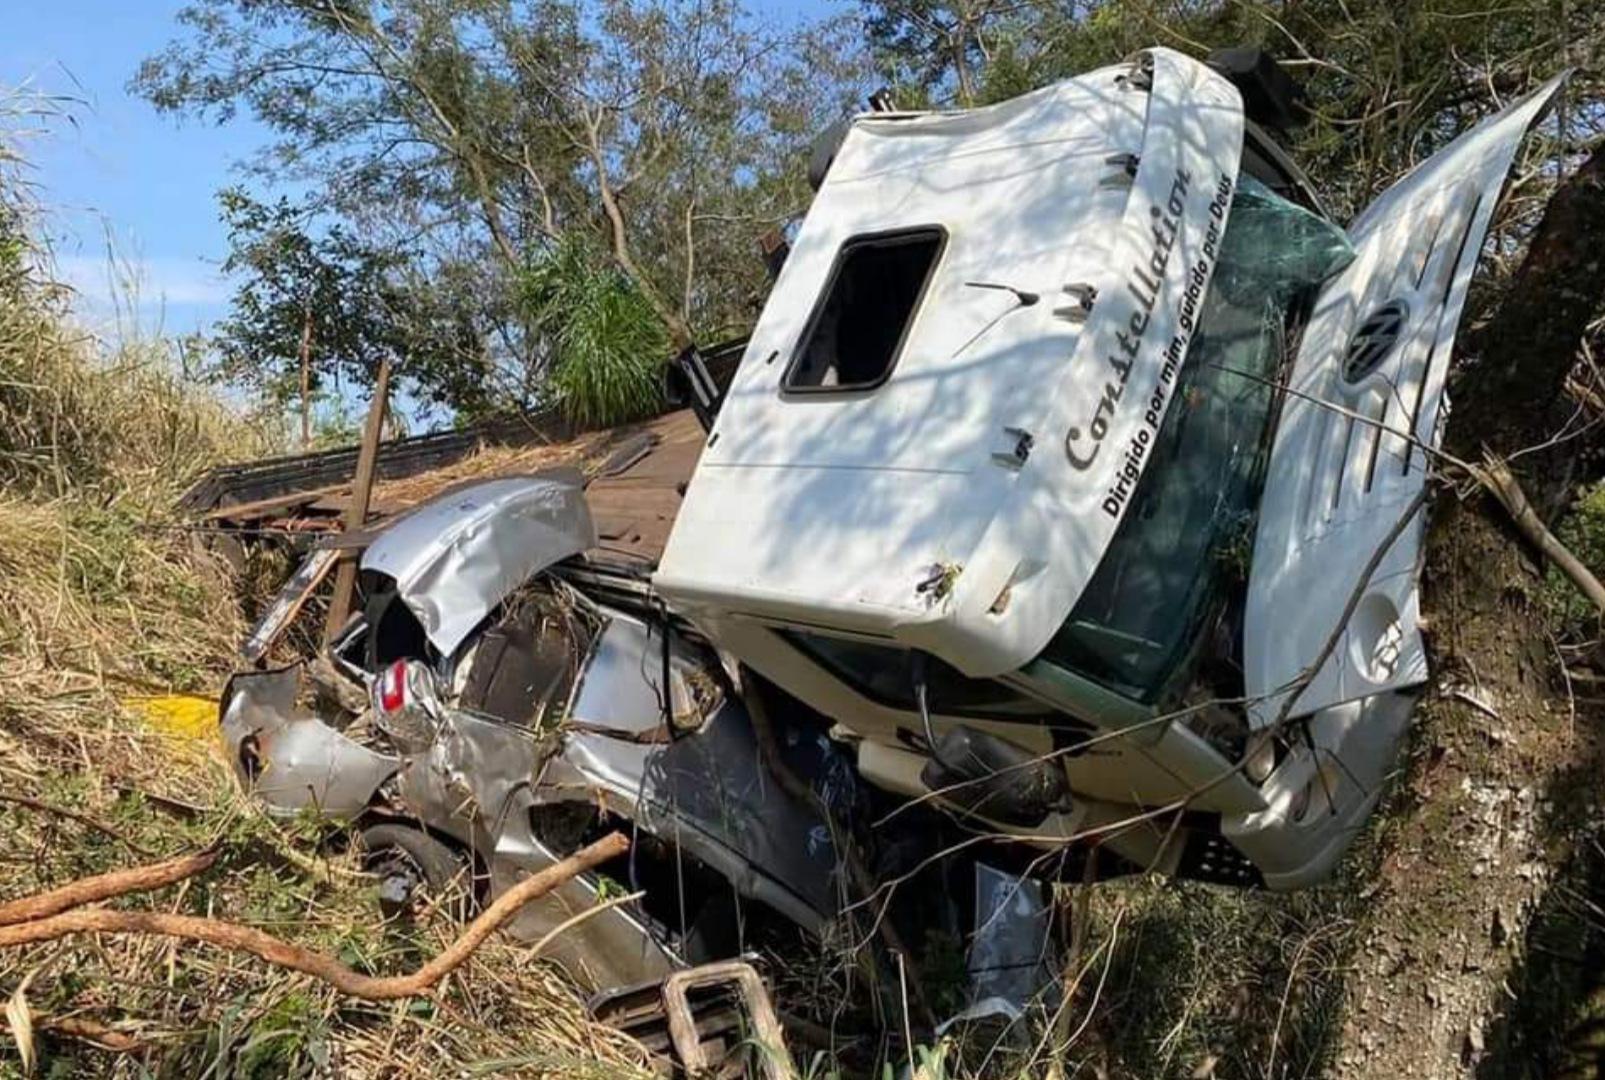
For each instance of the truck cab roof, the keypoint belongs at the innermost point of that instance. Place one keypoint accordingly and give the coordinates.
(964, 357)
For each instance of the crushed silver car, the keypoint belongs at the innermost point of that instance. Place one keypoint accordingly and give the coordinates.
(491, 746)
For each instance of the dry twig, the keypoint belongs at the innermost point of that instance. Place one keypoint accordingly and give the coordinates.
(91, 1031)
(283, 954)
(42, 807)
(1495, 476)
(103, 887)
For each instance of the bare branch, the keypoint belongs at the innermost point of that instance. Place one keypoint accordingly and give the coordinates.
(281, 953)
(103, 887)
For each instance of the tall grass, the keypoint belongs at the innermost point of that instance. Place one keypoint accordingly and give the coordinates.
(103, 594)
(96, 440)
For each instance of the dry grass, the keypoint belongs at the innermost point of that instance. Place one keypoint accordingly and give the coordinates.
(102, 596)
(486, 463)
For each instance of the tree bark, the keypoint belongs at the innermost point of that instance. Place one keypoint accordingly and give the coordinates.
(306, 379)
(1510, 395)
(679, 329)
(1501, 773)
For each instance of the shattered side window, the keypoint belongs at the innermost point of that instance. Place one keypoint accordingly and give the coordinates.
(1188, 534)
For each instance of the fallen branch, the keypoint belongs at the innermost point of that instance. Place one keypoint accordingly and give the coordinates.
(283, 954)
(1584, 395)
(1494, 475)
(91, 1031)
(584, 915)
(103, 887)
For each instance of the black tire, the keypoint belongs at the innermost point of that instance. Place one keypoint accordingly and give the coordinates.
(439, 871)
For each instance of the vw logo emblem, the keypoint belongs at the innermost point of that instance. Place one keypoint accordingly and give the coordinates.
(1374, 340)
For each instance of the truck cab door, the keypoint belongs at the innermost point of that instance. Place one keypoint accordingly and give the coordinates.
(1371, 366)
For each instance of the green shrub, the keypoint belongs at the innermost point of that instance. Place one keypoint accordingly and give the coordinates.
(607, 346)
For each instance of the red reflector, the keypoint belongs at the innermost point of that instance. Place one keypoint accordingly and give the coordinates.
(393, 687)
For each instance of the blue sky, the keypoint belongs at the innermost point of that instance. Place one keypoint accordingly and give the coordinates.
(120, 171)
(117, 177)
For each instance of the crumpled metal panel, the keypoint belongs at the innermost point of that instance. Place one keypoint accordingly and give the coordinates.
(708, 790)
(709, 793)
(303, 762)
(474, 784)
(1010, 960)
(470, 771)
(613, 948)
(620, 688)
(457, 556)
(1335, 489)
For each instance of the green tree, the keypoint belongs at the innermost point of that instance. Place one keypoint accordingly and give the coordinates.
(308, 308)
(936, 51)
(1388, 81)
(661, 136)
(316, 306)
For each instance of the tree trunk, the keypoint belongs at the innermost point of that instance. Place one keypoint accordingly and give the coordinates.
(679, 330)
(306, 379)
(1502, 770)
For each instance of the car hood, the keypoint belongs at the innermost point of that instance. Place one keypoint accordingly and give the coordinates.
(457, 556)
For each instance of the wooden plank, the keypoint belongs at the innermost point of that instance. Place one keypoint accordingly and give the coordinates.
(287, 475)
(339, 505)
(261, 508)
(626, 455)
(287, 603)
(616, 527)
(345, 578)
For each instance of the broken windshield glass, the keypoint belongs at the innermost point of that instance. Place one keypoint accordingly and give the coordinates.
(1188, 534)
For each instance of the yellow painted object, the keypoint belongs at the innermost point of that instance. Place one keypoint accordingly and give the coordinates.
(182, 716)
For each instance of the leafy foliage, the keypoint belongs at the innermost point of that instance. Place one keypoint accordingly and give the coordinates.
(607, 349)
(350, 302)
(1583, 533)
(328, 295)
(469, 140)
(1387, 82)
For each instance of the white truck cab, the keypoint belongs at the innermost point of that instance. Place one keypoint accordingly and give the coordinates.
(1062, 449)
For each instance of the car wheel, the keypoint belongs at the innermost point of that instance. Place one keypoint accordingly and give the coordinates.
(416, 871)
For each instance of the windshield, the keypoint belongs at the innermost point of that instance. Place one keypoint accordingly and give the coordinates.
(1189, 532)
